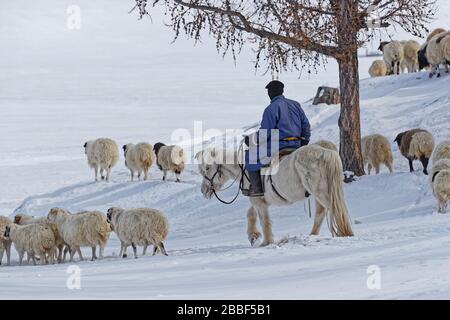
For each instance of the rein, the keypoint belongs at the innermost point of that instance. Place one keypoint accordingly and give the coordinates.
(219, 172)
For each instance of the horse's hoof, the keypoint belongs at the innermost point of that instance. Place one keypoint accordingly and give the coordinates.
(266, 243)
(253, 238)
(124, 255)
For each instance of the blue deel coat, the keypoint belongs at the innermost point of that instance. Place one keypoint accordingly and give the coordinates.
(288, 117)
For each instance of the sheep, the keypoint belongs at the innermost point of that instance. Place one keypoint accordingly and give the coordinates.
(416, 144)
(434, 33)
(326, 144)
(393, 55)
(102, 154)
(410, 60)
(438, 52)
(139, 227)
(375, 151)
(441, 189)
(442, 151)
(378, 69)
(24, 219)
(139, 158)
(443, 164)
(88, 228)
(422, 57)
(5, 244)
(33, 239)
(169, 158)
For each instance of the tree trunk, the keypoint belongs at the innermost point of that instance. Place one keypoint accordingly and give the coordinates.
(349, 120)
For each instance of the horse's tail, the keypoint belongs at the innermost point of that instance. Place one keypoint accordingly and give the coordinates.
(340, 221)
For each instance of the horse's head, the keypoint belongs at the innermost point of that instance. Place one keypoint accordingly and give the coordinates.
(215, 173)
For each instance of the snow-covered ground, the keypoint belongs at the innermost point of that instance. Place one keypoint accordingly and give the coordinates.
(121, 78)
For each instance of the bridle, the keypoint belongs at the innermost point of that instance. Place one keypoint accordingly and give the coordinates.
(220, 173)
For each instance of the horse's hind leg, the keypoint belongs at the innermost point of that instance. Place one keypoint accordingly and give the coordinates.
(266, 224)
(252, 230)
(318, 219)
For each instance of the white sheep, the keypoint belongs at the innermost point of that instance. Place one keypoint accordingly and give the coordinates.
(410, 60)
(139, 158)
(435, 32)
(393, 55)
(441, 189)
(327, 145)
(378, 69)
(443, 164)
(102, 154)
(5, 244)
(442, 151)
(170, 158)
(24, 219)
(438, 52)
(416, 144)
(376, 150)
(85, 229)
(139, 227)
(34, 239)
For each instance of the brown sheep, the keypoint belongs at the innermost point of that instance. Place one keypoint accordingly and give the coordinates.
(416, 144)
(376, 150)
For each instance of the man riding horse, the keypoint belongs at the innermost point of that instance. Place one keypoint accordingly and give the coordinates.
(292, 130)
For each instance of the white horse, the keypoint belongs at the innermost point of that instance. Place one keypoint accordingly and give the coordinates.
(311, 169)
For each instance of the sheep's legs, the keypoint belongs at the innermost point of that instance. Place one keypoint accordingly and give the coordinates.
(389, 166)
(102, 250)
(21, 253)
(79, 254)
(163, 250)
(8, 254)
(66, 249)
(60, 253)
(94, 255)
(108, 173)
(144, 251)
(132, 175)
(369, 168)
(123, 250)
(134, 250)
(164, 175)
(139, 175)
(177, 174)
(155, 250)
(145, 174)
(96, 173)
(377, 169)
(424, 161)
(411, 168)
(2, 251)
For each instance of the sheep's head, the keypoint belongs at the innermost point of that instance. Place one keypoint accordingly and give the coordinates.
(86, 146)
(399, 138)
(18, 218)
(7, 232)
(382, 45)
(112, 214)
(55, 213)
(21, 218)
(422, 57)
(158, 146)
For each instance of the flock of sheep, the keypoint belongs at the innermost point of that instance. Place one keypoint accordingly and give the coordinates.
(415, 144)
(410, 55)
(51, 238)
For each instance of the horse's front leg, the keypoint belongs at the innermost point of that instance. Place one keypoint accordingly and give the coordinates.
(252, 230)
(266, 224)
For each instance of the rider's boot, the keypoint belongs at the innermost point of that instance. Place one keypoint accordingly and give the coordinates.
(256, 187)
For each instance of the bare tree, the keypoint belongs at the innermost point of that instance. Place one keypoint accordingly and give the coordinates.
(302, 34)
